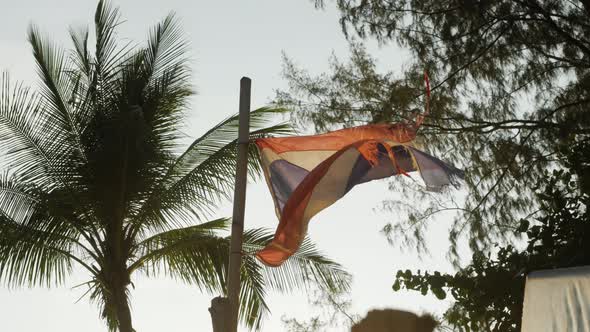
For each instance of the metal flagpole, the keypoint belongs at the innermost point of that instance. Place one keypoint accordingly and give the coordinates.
(237, 229)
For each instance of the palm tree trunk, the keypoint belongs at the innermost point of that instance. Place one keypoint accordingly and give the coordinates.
(122, 278)
(124, 315)
(123, 310)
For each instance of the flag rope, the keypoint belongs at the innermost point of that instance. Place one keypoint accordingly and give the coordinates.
(420, 118)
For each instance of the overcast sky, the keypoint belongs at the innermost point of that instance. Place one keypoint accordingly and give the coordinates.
(229, 39)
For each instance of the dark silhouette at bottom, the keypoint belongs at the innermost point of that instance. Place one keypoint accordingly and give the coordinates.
(391, 320)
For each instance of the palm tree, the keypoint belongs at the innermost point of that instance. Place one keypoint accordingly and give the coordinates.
(93, 178)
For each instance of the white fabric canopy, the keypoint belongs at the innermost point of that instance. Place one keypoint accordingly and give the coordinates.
(557, 301)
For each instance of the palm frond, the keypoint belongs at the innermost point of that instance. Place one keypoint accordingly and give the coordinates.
(36, 244)
(35, 150)
(31, 257)
(36, 252)
(164, 105)
(168, 88)
(25, 148)
(225, 134)
(307, 267)
(17, 198)
(56, 92)
(204, 174)
(168, 83)
(253, 306)
(107, 54)
(167, 47)
(81, 57)
(195, 255)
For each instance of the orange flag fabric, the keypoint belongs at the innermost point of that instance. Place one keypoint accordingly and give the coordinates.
(306, 174)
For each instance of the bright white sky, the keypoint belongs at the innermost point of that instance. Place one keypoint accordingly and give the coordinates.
(229, 39)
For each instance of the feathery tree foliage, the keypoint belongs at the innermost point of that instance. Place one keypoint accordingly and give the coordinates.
(489, 292)
(92, 177)
(510, 90)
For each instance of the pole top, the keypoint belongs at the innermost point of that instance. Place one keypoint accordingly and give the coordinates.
(245, 79)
